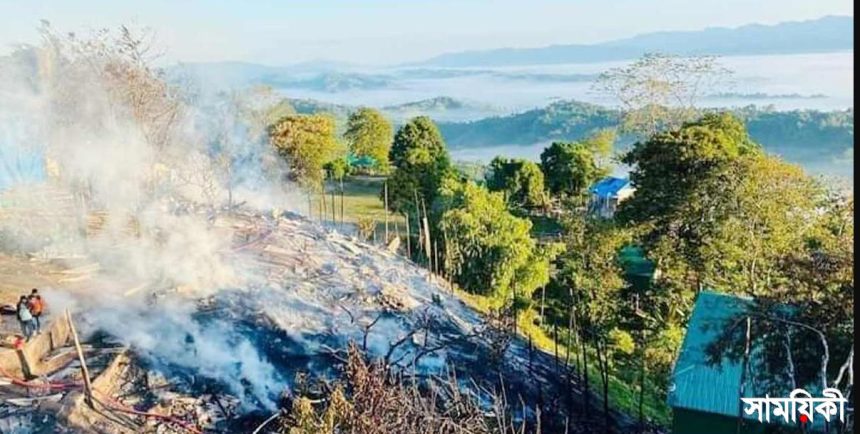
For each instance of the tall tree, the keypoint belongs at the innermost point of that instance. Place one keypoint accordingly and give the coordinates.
(681, 176)
(593, 272)
(420, 159)
(570, 168)
(766, 209)
(804, 324)
(659, 91)
(307, 142)
(368, 134)
(521, 181)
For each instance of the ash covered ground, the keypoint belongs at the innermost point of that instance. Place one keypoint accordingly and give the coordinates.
(308, 292)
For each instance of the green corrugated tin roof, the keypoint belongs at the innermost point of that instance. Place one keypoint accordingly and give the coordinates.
(696, 385)
(364, 161)
(634, 262)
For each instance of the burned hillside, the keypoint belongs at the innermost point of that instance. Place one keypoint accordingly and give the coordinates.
(305, 294)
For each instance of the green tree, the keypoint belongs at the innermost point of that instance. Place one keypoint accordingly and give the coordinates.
(766, 210)
(368, 134)
(571, 168)
(681, 178)
(521, 181)
(307, 142)
(420, 161)
(715, 210)
(337, 169)
(490, 251)
(592, 271)
(804, 323)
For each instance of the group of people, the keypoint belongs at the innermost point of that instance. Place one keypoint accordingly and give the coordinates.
(29, 310)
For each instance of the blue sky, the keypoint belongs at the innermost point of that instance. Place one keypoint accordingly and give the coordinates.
(388, 31)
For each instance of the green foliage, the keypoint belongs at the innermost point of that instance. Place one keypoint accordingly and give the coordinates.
(489, 251)
(592, 271)
(786, 133)
(792, 133)
(662, 351)
(563, 120)
(621, 341)
(307, 142)
(521, 182)
(337, 169)
(713, 210)
(420, 161)
(819, 287)
(766, 210)
(570, 168)
(677, 175)
(368, 134)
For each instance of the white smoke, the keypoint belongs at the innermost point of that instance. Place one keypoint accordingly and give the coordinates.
(150, 170)
(146, 169)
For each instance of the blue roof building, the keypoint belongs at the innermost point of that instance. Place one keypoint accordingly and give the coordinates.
(607, 193)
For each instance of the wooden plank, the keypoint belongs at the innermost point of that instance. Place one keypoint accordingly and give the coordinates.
(88, 388)
(24, 402)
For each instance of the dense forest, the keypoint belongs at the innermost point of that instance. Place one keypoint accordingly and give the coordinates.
(563, 120)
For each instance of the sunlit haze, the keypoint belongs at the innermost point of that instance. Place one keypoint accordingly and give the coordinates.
(388, 31)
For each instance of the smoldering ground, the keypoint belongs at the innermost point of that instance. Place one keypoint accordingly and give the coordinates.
(90, 118)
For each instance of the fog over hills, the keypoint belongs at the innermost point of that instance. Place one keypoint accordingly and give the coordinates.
(821, 141)
(526, 97)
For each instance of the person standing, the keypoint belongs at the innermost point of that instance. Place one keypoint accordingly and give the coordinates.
(37, 307)
(25, 318)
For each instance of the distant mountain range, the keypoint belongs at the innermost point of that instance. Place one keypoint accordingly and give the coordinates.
(763, 95)
(826, 34)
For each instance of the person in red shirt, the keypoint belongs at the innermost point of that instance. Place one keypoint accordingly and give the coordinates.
(37, 307)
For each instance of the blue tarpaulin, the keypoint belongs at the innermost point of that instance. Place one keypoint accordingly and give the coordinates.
(20, 166)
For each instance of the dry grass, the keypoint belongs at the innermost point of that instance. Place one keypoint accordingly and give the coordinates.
(370, 398)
